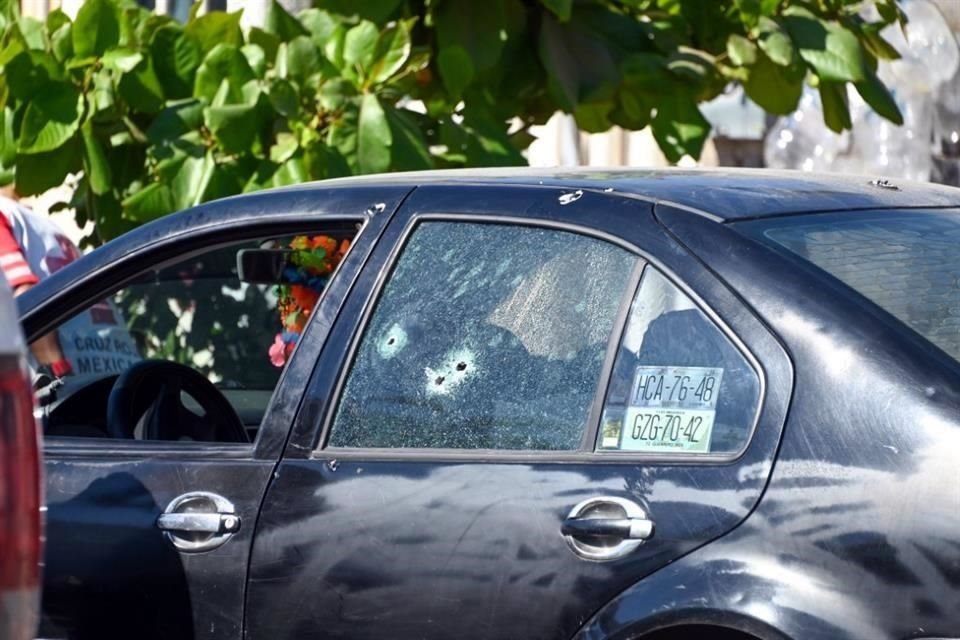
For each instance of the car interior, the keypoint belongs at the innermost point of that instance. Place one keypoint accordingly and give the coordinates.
(192, 350)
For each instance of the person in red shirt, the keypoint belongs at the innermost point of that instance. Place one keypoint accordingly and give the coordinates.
(21, 277)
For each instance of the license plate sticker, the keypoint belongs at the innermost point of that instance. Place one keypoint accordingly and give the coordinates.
(676, 387)
(670, 410)
(661, 430)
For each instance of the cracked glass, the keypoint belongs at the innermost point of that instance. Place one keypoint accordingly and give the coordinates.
(485, 336)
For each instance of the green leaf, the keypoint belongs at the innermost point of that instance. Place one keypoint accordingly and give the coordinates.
(293, 171)
(284, 148)
(301, 58)
(776, 43)
(634, 111)
(282, 24)
(875, 94)
(579, 65)
(561, 8)
(373, 137)
(391, 52)
(234, 126)
(152, 202)
(333, 47)
(644, 71)
(320, 25)
(192, 179)
(679, 128)
(38, 172)
(487, 142)
(95, 164)
(176, 57)
(360, 44)
(141, 89)
(176, 120)
(692, 65)
(836, 112)
(878, 45)
(61, 42)
(51, 118)
(216, 28)
(224, 62)
(56, 19)
(323, 162)
(377, 11)
(456, 70)
(833, 52)
(284, 98)
(266, 41)
(122, 60)
(478, 27)
(8, 142)
(593, 117)
(96, 29)
(774, 88)
(741, 51)
(32, 31)
(409, 150)
(30, 71)
(256, 58)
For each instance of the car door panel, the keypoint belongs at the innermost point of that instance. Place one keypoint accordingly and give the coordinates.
(435, 544)
(110, 572)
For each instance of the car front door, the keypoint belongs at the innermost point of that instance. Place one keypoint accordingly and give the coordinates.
(116, 565)
(533, 399)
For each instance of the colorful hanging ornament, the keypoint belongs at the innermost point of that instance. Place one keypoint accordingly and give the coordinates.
(310, 265)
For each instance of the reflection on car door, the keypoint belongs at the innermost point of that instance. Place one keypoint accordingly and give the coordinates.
(110, 571)
(441, 455)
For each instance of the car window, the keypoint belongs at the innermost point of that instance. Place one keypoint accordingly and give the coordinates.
(232, 314)
(905, 262)
(679, 385)
(485, 336)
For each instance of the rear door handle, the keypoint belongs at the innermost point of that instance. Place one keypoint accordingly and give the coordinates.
(198, 521)
(623, 528)
(606, 528)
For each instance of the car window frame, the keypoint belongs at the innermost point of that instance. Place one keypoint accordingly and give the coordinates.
(586, 452)
(736, 343)
(68, 446)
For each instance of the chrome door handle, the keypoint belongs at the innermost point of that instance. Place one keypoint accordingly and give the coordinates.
(198, 521)
(623, 528)
(606, 528)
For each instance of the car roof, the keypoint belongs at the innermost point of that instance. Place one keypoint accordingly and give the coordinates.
(724, 194)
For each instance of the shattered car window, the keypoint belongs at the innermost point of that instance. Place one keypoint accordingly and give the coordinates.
(485, 337)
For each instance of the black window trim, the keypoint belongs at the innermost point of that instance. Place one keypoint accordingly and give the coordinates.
(586, 453)
(83, 447)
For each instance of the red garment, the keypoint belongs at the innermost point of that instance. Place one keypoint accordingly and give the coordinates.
(12, 261)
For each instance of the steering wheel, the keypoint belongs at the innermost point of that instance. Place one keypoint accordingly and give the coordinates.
(146, 403)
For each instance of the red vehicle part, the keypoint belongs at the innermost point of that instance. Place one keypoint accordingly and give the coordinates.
(20, 488)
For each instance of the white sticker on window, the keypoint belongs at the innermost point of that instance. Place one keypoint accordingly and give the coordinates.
(670, 410)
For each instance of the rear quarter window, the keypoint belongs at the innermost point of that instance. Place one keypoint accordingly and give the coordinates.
(906, 262)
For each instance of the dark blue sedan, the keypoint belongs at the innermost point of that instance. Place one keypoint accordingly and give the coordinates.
(512, 404)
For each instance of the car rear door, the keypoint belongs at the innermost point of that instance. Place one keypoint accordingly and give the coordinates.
(110, 571)
(483, 450)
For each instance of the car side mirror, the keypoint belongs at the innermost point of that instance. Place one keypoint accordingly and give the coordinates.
(262, 266)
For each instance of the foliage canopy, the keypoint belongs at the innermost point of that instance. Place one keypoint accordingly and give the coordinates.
(159, 115)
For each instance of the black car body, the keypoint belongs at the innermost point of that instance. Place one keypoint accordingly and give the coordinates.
(537, 468)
